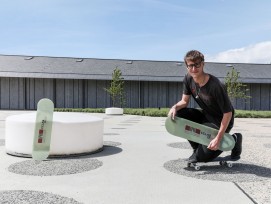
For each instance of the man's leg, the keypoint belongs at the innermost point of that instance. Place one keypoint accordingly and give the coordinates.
(200, 152)
(203, 154)
(237, 150)
(192, 114)
(195, 116)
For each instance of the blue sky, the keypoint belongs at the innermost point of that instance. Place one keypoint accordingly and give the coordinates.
(224, 30)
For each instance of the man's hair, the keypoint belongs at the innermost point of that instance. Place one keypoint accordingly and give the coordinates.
(194, 56)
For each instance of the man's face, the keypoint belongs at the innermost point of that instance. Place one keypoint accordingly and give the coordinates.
(194, 68)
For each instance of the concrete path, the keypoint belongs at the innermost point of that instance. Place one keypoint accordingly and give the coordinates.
(140, 163)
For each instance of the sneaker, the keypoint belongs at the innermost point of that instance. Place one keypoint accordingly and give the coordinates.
(237, 150)
(193, 157)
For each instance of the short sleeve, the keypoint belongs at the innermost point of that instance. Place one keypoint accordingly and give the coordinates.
(186, 87)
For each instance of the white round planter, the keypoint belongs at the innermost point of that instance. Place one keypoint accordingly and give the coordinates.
(72, 134)
(114, 111)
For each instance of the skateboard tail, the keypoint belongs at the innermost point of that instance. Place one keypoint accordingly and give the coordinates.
(40, 155)
(227, 145)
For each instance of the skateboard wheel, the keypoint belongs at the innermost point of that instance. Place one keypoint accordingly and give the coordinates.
(197, 168)
(222, 163)
(229, 165)
(188, 164)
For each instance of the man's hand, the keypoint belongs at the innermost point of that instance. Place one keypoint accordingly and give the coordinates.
(178, 106)
(172, 112)
(214, 144)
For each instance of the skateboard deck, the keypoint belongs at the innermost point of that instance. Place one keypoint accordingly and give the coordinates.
(198, 133)
(223, 161)
(43, 129)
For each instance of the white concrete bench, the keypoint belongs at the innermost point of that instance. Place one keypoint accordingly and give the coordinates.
(72, 134)
(114, 111)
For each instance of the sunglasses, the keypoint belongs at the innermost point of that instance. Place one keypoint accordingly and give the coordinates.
(196, 65)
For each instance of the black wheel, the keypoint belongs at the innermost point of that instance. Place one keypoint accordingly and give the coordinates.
(222, 163)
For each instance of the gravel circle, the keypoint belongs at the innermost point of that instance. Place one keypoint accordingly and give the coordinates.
(180, 145)
(111, 143)
(2, 142)
(23, 196)
(240, 172)
(54, 167)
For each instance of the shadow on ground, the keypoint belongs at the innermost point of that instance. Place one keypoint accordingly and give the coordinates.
(240, 172)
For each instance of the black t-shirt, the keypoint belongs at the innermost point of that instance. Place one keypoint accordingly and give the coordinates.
(212, 98)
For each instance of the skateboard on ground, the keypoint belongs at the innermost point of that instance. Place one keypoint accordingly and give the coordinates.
(43, 129)
(198, 133)
(223, 161)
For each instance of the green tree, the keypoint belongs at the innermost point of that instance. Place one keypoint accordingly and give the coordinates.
(235, 88)
(116, 89)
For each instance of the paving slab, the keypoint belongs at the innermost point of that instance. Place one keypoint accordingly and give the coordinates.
(140, 163)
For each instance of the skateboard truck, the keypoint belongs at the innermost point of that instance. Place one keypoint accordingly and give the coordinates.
(196, 167)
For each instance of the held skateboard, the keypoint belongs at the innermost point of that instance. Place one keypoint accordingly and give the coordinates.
(223, 161)
(43, 129)
(198, 133)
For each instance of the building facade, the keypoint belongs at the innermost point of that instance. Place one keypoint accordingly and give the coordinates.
(80, 83)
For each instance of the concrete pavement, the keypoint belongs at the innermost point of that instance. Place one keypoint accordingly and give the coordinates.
(140, 163)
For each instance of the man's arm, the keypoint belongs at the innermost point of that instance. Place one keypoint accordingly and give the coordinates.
(178, 106)
(214, 144)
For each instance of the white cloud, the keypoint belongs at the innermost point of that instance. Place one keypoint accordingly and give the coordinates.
(256, 53)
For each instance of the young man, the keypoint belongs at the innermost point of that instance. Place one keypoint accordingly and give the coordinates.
(217, 110)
